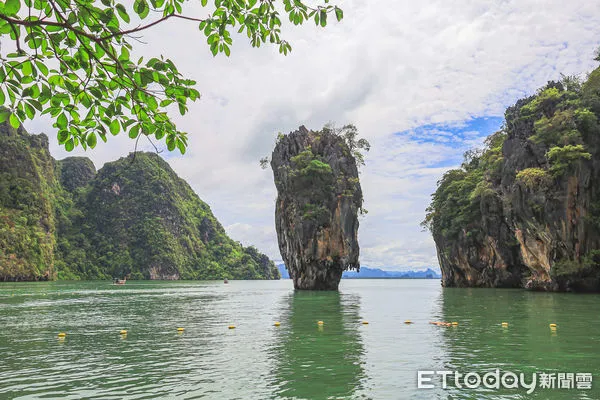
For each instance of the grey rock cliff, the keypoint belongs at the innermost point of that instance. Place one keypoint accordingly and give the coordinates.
(493, 228)
(319, 196)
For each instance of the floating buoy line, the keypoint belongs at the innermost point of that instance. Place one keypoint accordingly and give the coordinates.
(320, 324)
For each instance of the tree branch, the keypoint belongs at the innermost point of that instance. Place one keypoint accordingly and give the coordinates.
(97, 39)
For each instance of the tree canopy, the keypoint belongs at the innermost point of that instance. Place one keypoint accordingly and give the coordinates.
(72, 59)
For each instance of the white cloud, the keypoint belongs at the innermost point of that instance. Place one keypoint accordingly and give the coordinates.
(390, 66)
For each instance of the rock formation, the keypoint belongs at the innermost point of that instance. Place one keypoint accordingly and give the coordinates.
(525, 212)
(28, 188)
(318, 199)
(134, 217)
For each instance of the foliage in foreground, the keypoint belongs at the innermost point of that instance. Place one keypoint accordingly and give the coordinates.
(73, 60)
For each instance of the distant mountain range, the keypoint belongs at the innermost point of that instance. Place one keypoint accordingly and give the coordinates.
(376, 273)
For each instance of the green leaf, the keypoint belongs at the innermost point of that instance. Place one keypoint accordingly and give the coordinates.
(141, 8)
(4, 114)
(11, 7)
(181, 146)
(30, 111)
(134, 131)
(91, 140)
(170, 144)
(69, 145)
(204, 3)
(339, 14)
(2, 97)
(62, 136)
(26, 68)
(14, 121)
(114, 127)
(41, 67)
(123, 14)
(61, 121)
(323, 18)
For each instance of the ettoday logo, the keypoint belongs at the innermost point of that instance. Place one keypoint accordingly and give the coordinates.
(505, 379)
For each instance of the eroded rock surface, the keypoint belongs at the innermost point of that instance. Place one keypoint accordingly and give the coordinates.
(526, 211)
(316, 216)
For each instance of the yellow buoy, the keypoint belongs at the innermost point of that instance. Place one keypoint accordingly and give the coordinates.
(365, 322)
(180, 329)
(455, 323)
(277, 323)
(505, 324)
(231, 326)
(553, 327)
(408, 322)
(319, 322)
(123, 332)
(62, 334)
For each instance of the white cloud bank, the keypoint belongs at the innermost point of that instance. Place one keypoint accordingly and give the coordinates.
(390, 66)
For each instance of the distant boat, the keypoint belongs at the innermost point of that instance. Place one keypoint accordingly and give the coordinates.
(225, 281)
(119, 281)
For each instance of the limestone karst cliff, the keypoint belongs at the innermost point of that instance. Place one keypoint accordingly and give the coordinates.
(28, 188)
(319, 197)
(134, 217)
(525, 211)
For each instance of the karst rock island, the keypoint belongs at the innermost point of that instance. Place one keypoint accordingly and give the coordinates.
(318, 201)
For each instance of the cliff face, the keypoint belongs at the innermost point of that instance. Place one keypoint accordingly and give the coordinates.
(318, 199)
(75, 172)
(146, 222)
(135, 217)
(525, 212)
(27, 191)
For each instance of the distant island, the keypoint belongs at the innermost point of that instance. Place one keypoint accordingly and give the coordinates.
(376, 273)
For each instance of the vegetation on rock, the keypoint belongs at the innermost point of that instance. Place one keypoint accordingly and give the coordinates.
(28, 189)
(134, 218)
(523, 211)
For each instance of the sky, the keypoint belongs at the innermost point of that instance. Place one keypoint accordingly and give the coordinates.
(423, 81)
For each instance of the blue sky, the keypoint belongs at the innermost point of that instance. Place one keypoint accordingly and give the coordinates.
(422, 80)
(454, 135)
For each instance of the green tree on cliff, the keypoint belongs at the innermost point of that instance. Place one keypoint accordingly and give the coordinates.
(348, 132)
(72, 60)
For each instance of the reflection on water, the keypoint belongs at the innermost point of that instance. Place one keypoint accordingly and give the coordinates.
(526, 344)
(319, 361)
(297, 360)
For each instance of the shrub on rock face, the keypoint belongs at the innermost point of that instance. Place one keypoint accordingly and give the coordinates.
(562, 159)
(534, 178)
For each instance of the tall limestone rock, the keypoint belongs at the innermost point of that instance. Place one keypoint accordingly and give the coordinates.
(319, 196)
(28, 186)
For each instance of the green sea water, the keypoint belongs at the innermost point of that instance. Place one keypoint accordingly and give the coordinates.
(341, 359)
